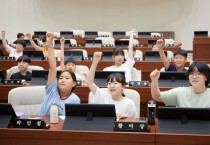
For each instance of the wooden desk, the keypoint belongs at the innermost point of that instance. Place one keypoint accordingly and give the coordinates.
(145, 66)
(201, 49)
(83, 92)
(55, 136)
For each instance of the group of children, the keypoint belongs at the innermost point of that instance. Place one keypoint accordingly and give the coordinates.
(60, 90)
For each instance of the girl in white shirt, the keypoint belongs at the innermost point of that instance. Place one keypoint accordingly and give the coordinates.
(114, 93)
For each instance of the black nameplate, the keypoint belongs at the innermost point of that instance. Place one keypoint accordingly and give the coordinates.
(12, 82)
(29, 123)
(131, 126)
(79, 83)
(88, 58)
(139, 83)
(7, 58)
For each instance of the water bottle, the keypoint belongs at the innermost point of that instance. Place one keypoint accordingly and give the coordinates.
(151, 112)
(54, 113)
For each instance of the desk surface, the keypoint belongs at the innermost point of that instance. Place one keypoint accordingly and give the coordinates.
(55, 135)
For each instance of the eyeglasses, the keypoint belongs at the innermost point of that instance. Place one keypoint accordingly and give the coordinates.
(113, 83)
(196, 74)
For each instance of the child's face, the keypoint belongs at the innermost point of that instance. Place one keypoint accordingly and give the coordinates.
(19, 47)
(65, 82)
(118, 59)
(23, 66)
(179, 60)
(115, 88)
(70, 66)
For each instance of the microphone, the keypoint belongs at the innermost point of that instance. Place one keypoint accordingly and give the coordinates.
(151, 112)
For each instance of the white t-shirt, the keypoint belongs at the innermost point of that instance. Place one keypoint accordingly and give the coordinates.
(185, 97)
(125, 105)
(126, 67)
(13, 53)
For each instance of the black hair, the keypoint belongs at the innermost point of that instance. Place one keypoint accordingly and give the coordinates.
(20, 35)
(24, 58)
(118, 51)
(22, 42)
(180, 52)
(73, 76)
(202, 68)
(70, 60)
(118, 77)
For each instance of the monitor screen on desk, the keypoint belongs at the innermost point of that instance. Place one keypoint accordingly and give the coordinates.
(1, 76)
(200, 33)
(76, 54)
(40, 33)
(39, 77)
(144, 34)
(173, 79)
(107, 55)
(28, 43)
(183, 120)
(119, 34)
(101, 77)
(91, 34)
(151, 43)
(57, 43)
(121, 43)
(93, 43)
(7, 114)
(66, 34)
(153, 55)
(34, 54)
(89, 117)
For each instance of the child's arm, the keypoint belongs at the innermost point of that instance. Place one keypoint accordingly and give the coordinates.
(90, 77)
(163, 57)
(130, 47)
(36, 47)
(62, 41)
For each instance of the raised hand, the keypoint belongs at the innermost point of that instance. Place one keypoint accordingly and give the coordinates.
(3, 33)
(50, 37)
(28, 35)
(154, 75)
(97, 56)
(160, 43)
(62, 40)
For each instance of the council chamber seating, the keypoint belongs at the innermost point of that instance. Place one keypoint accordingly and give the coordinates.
(15, 69)
(131, 94)
(27, 100)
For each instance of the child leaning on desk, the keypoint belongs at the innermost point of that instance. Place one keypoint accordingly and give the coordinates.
(114, 92)
(59, 91)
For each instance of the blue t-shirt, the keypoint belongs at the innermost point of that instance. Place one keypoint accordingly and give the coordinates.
(52, 95)
(173, 68)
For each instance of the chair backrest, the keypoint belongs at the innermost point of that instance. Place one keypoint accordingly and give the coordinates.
(131, 94)
(135, 74)
(128, 34)
(170, 55)
(15, 69)
(138, 54)
(104, 34)
(106, 41)
(79, 69)
(78, 33)
(27, 99)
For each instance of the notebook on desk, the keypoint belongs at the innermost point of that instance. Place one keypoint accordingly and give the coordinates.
(122, 43)
(91, 34)
(119, 34)
(76, 54)
(93, 43)
(39, 77)
(200, 33)
(173, 79)
(153, 55)
(57, 43)
(98, 117)
(183, 120)
(66, 34)
(101, 77)
(144, 34)
(40, 33)
(34, 54)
